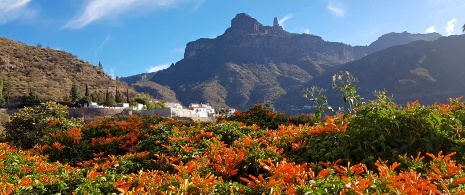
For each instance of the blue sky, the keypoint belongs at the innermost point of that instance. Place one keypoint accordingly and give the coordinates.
(136, 36)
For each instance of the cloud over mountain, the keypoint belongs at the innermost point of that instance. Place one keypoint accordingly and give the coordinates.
(102, 9)
(12, 9)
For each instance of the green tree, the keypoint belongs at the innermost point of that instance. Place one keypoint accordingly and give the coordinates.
(31, 99)
(127, 95)
(2, 100)
(463, 28)
(100, 65)
(118, 96)
(87, 91)
(7, 89)
(28, 125)
(109, 99)
(74, 93)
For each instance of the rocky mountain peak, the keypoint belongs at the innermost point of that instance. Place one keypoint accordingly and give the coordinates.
(243, 24)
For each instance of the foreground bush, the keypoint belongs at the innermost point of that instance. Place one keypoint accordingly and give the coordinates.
(382, 148)
(27, 126)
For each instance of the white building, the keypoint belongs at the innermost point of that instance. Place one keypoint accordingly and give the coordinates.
(203, 110)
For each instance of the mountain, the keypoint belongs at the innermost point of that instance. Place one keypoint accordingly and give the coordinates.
(251, 63)
(393, 39)
(50, 73)
(155, 90)
(429, 71)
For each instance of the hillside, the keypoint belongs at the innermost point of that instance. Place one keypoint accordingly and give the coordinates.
(429, 71)
(49, 73)
(155, 90)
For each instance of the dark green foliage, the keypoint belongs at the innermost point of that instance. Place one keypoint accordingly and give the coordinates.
(262, 116)
(28, 125)
(383, 130)
(31, 99)
(118, 96)
(74, 93)
(109, 99)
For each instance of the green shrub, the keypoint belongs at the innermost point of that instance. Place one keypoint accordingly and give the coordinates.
(28, 126)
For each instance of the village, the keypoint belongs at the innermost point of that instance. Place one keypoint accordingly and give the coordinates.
(195, 111)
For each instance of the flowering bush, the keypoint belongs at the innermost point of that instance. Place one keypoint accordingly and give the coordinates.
(383, 148)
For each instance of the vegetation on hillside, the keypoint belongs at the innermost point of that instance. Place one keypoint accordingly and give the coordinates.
(50, 74)
(375, 147)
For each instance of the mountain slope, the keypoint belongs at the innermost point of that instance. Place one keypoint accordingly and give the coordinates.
(50, 73)
(429, 71)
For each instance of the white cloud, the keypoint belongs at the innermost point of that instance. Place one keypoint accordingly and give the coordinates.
(100, 9)
(307, 31)
(12, 9)
(177, 50)
(431, 29)
(112, 73)
(282, 20)
(337, 10)
(157, 68)
(102, 44)
(450, 26)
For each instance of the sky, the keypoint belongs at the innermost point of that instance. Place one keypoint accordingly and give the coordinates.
(136, 36)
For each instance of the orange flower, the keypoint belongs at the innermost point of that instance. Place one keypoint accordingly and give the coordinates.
(57, 145)
(25, 181)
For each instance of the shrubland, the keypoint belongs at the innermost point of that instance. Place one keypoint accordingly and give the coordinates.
(378, 147)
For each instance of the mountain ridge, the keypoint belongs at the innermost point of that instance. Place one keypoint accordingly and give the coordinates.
(251, 63)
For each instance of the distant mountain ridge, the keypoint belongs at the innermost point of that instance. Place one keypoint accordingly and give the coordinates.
(251, 63)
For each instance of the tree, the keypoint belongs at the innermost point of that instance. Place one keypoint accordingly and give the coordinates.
(463, 28)
(127, 95)
(109, 99)
(118, 96)
(27, 126)
(100, 65)
(74, 93)
(2, 100)
(31, 99)
(87, 91)
(7, 89)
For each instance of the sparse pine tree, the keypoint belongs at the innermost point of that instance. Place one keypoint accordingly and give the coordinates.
(87, 91)
(118, 96)
(7, 89)
(74, 94)
(2, 100)
(109, 99)
(127, 95)
(100, 65)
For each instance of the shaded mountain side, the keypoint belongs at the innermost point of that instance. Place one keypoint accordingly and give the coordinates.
(155, 90)
(50, 73)
(252, 63)
(393, 39)
(138, 77)
(423, 70)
